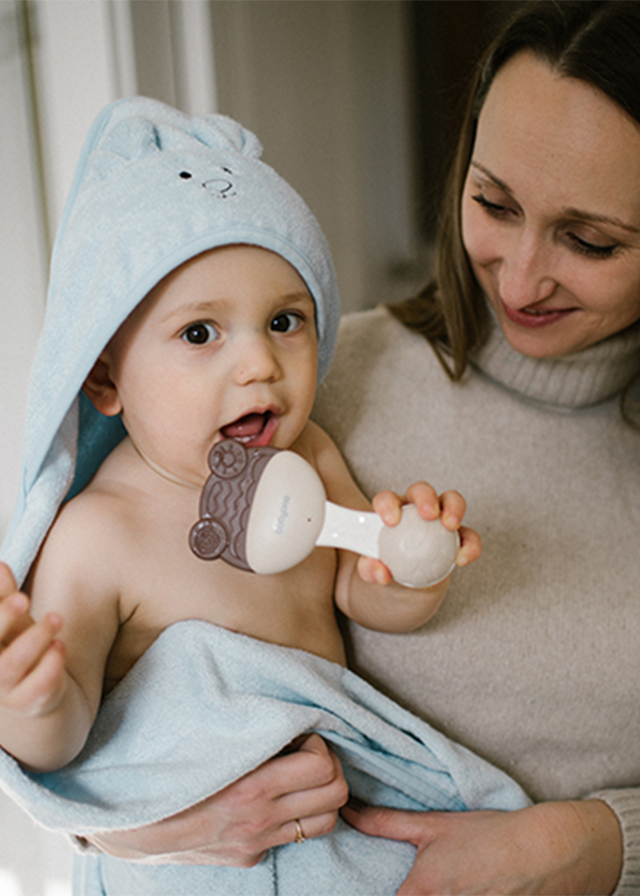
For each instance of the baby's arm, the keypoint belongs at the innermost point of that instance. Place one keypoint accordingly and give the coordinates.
(43, 714)
(50, 690)
(365, 590)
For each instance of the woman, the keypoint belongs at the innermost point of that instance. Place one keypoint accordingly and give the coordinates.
(516, 398)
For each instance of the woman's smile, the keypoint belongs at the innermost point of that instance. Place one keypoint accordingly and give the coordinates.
(534, 318)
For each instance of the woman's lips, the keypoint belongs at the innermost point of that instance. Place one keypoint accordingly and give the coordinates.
(534, 319)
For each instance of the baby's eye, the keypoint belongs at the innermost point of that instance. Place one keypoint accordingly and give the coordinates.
(286, 322)
(200, 333)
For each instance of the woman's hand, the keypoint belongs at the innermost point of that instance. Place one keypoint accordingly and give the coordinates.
(550, 848)
(240, 823)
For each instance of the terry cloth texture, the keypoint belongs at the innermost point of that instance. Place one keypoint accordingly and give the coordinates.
(205, 705)
(153, 188)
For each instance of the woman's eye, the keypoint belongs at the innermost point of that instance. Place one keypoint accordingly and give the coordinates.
(591, 250)
(286, 322)
(200, 333)
(492, 208)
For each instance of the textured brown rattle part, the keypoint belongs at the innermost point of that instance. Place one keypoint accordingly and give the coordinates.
(225, 502)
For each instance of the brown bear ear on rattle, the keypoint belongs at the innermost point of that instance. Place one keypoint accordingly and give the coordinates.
(100, 389)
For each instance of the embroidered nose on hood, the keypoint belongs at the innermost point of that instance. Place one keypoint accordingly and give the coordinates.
(153, 188)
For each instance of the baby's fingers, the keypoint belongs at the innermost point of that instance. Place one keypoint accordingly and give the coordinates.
(426, 499)
(14, 617)
(373, 572)
(470, 546)
(25, 655)
(454, 508)
(388, 505)
(40, 691)
(7, 582)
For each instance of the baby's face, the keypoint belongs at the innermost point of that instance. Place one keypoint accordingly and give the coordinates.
(224, 346)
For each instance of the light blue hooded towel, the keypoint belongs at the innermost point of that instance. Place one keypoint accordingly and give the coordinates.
(204, 705)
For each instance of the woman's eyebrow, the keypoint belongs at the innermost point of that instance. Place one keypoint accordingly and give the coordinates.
(592, 217)
(600, 219)
(496, 180)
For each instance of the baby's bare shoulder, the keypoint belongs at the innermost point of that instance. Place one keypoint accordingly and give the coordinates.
(89, 539)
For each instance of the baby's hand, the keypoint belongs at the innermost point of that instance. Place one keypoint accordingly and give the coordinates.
(450, 507)
(32, 671)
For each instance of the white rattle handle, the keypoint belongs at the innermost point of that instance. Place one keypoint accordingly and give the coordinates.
(419, 553)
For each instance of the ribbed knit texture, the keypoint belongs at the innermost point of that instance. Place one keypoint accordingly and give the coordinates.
(532, 660)
(569, 382)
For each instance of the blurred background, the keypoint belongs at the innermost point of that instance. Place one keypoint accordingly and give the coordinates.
(355, 102)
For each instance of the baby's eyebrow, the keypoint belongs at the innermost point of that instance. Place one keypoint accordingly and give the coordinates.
(194, 309)
(297, 297)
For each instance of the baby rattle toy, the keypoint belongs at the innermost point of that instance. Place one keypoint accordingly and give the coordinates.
(264, 510)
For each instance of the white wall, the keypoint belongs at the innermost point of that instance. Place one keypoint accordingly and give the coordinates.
(22, 249)
(325, 85)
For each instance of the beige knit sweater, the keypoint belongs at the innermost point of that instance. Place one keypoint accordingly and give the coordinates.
(533, 660)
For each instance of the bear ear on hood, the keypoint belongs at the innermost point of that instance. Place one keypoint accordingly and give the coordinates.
(135, 137)
(128, 141)
(223, 130)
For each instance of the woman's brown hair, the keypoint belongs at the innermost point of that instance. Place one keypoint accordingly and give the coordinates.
(597, 41)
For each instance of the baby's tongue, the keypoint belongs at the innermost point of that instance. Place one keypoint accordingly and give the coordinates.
(244, 429)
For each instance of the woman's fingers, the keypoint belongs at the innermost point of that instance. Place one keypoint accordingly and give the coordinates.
(240, 823)
(318, 791)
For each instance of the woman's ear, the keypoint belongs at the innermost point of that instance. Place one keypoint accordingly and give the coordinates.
(100, 389)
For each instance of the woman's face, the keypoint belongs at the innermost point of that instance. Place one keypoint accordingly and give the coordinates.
(551, 210)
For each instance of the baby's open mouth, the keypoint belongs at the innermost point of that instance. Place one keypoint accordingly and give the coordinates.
(253, 430)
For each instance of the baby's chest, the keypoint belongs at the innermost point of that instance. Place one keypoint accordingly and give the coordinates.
(292, 608)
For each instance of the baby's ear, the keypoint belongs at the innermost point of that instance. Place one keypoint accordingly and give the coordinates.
(100, 389)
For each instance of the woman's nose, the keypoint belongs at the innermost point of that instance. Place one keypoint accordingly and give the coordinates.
(525, 275)
(256, 361)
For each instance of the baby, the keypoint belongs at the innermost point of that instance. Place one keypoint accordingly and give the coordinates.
(224, 346)
(192, 299)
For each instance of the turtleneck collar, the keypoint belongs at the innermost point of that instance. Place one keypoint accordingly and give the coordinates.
(569, 382)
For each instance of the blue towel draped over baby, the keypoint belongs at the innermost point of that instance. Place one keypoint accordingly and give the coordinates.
(204, 706)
